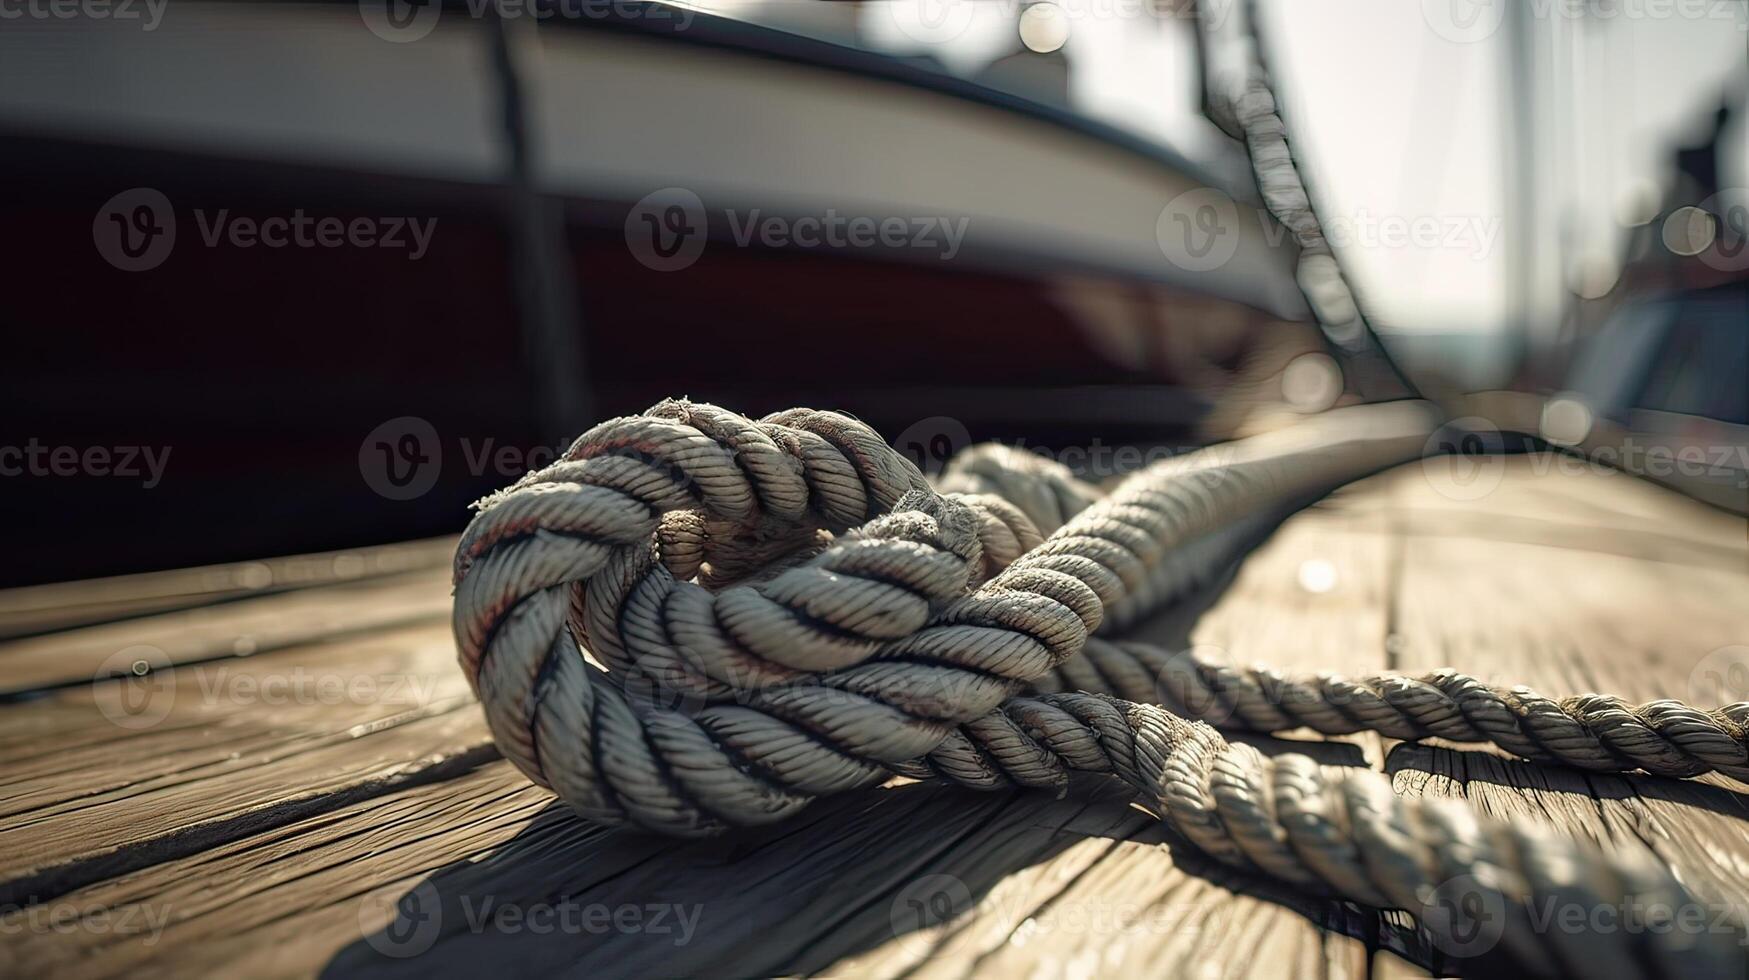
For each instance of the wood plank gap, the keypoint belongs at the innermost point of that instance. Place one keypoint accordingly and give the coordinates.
(47, 884)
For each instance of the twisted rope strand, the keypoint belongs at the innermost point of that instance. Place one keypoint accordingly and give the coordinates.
(1345, 833)
(1591, 731)
(1596, 732)
(861, 623)
(800, 683)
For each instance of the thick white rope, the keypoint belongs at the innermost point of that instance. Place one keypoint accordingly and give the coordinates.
(1596, 732)
(1345, 833)
(1591, 731)
(786, 609)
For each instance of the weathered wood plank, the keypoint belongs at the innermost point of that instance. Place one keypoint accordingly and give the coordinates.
(241, 902)
(1315, 597)
(230, 629)
(1619, 611)
(804, 897)
(278, 839)
(212, 750)
(63, 605)
(833, 894)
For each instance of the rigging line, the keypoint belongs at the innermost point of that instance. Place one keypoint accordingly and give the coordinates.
(1374, 358)
(1239, 97)
(546, 298)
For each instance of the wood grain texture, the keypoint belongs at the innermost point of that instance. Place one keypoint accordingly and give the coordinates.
(63, 605)
(1618, 611)
(310, 834)
(241, 628)
(100, 779)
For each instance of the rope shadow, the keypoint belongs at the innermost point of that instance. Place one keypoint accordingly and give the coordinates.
(899, 871)
(852, 873)
(1470, 765)
(794, 897)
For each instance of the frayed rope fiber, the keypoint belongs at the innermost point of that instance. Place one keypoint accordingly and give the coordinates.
(785, 608)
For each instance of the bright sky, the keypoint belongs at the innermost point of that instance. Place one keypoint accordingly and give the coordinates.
(1399, 117)
(1400, 112)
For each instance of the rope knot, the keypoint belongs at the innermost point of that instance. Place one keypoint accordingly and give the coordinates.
(794, 584)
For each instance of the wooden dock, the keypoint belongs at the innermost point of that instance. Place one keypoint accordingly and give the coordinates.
(300, 782)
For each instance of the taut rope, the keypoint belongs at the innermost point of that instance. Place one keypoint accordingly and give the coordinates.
(1591, 731)
(785, 608)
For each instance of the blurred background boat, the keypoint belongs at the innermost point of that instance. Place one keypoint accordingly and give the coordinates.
(543, 154)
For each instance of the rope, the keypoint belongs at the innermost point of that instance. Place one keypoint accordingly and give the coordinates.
(1345, 833)
(1595, 732)
(1239, 97)
(859, 622)
(1591, 731)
